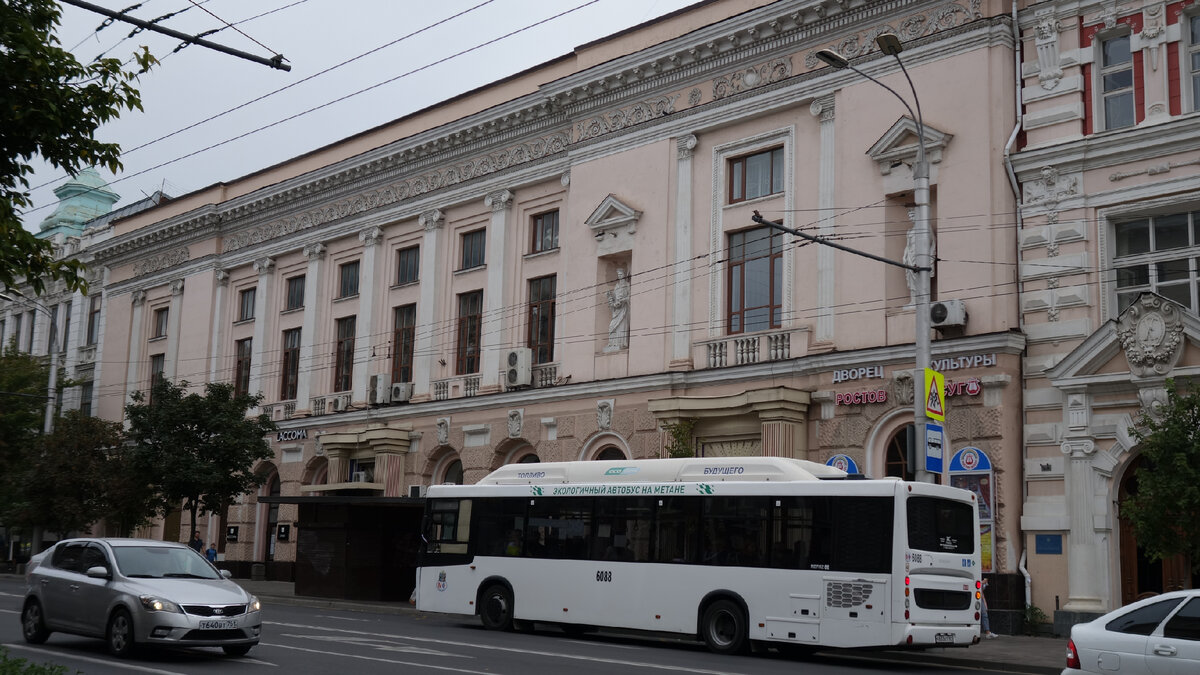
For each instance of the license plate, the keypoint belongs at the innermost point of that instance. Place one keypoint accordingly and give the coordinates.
(219, 623)
(943, 639)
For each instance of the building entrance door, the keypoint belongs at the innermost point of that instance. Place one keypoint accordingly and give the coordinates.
(1140, 576)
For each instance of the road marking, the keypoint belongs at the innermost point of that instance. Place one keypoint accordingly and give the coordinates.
(104, 662)
(607, 645)
(377, 644)
(9, 611)
(518, 650)
(376, 658)
(13, 595)
(343, 618)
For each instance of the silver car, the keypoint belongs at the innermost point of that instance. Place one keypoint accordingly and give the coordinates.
(137, 591)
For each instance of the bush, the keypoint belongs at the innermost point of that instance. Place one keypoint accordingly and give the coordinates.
(16, 666)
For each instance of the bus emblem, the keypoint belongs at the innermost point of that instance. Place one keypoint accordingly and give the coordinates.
(441, 582)
(621, 471)
(704, 488)
(537, 490)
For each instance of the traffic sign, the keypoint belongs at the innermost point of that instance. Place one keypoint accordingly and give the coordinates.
(935, 395)
(934, 441)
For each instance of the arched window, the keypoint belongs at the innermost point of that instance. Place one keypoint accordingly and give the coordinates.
(896, 459)
(610, 454)
(529, 459)
(454, 473)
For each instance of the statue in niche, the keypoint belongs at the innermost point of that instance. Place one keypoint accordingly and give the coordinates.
(912, 258)
(618, 326)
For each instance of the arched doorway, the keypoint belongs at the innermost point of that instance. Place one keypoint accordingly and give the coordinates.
(271, 489)
(453, 474)
(610, 454)
(531, 458)
(896, 456)
(1141, 576)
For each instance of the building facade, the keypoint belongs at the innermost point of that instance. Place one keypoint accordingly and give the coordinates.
(1108, 236)
(564, 266)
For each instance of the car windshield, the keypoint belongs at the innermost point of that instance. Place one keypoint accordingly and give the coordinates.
(158, 562)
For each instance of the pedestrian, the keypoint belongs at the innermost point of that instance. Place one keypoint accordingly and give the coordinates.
(196, 542)
(211, 553)
(983, 617)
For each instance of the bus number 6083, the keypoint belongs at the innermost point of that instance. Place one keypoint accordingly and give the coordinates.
(603, 575)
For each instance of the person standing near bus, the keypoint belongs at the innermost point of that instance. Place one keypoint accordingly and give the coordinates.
(985, 624)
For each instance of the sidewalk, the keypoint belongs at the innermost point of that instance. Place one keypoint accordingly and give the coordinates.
(1012, 653)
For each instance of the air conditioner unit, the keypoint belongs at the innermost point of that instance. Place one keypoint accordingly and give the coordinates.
(417, 491)
(948, 313)
(381, 389)
(401, 391)
(518, 367)
(339, 403)
(359, 477)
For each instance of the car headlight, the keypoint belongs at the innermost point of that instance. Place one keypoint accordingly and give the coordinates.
(254, 605)
(157, 604)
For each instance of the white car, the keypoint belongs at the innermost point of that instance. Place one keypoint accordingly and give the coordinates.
(137, 591)
(1156, 636)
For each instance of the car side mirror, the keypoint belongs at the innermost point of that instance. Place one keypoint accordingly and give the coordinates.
(98, 572)
(226, 574)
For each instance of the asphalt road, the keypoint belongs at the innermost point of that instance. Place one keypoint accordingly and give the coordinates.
(308, 640)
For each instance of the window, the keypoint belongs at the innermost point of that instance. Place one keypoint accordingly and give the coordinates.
(52, 334)
(246, 304)
(241, 377)
(404, 327)
(66, 330)
(295, 293)
(85, 399)
(30, 324)
(454, 473)
(1160, 254)
(348, 279)
(541, 319)
(343, 369)
(473, 247)
(545, 232)
(1185, 625)
(93, 329)
(17, 319)
(290, 369)
(160, 322)
(408, 265)
(756, 175)
(1143, 620)
(158, 364)
(470, 320)
(755, 281)
(1116, 79)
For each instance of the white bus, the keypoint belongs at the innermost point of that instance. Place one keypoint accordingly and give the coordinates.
(768, 549)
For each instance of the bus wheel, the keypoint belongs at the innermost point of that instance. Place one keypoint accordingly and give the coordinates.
(496, 608)
(724, 628)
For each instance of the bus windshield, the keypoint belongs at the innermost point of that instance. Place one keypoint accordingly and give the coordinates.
(941, 525)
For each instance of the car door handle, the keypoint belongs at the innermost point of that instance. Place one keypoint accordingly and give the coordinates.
(74, 587)
(1164, 650)
(44, 581)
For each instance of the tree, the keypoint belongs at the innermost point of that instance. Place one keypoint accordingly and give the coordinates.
(199, 449)
(1165, 510)
(53, 107)
(23, 382)
(76, 477)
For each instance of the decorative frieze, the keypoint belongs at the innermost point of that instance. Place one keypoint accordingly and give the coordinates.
(161, 262)
(912, 27)
(752, 77)
(621, 118)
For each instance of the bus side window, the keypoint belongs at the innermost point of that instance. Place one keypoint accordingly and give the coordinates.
(501, 526)
(678, 534)
(449, 526)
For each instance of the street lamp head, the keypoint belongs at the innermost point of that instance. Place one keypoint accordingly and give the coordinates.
(888, 43)
(832, 58)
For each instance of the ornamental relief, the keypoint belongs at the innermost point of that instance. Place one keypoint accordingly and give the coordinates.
(413, 187)
(628, 116)
(911, 28)
(160, 262)
(752, 77)
(1151, 333)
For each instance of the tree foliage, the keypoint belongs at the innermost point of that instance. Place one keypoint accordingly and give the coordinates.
(200, 449)
(1165, 509)
(52, 107)
(23, 381)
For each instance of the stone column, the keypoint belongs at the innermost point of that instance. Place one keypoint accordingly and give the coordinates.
(308, 330)
(432, 277)
(681, 334)
(215, 343)
(823, 109)
(1086, 559)
(390, 446)
(265, 268)
(136, 339)
(364, 324)
(174, 324)
(492, 333)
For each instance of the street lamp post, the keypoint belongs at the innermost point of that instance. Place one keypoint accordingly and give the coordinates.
(890, 45)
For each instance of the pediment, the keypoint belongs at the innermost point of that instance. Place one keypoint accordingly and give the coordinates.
(611, 214)
(1145, 341)
(899, 144)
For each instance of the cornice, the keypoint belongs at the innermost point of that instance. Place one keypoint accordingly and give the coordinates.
(1116, 148)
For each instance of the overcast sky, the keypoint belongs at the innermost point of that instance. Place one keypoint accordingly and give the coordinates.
(196, 83)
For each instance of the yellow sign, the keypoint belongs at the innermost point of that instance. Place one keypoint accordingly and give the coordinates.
(935, 395)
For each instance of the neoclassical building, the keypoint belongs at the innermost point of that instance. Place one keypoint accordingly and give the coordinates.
(563, 266)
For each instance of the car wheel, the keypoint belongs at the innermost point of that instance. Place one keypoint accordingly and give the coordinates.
(496, 608)
(120, 633)
(33, 625)
(724, 628)
(236, 650)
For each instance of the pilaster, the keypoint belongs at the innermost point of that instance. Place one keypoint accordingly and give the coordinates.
(681, 342)
(823, 110)
(136, 340)
(308, 331)
(265, 267)
(425, 345)
(370, 239)
(492, 333)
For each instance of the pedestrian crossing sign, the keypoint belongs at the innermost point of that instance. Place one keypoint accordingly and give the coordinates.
(935, 395)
